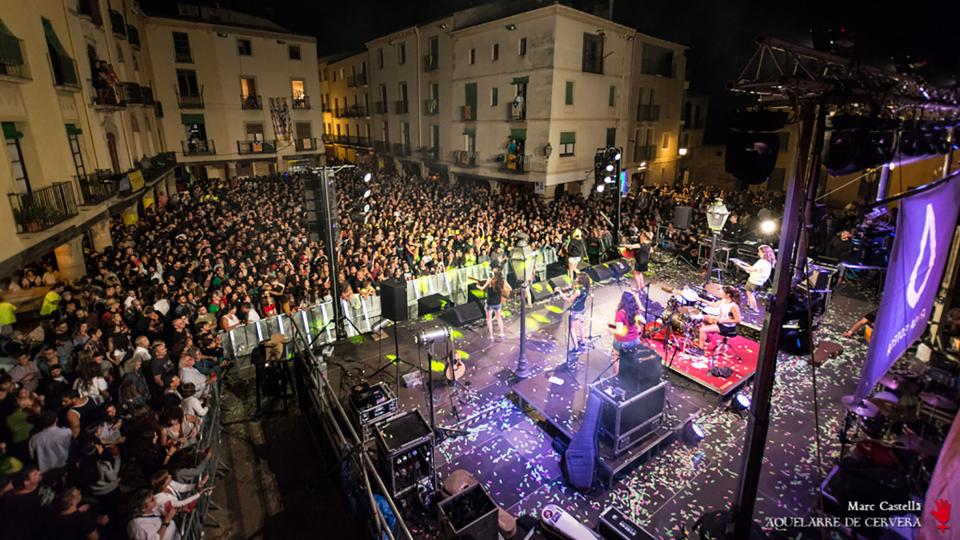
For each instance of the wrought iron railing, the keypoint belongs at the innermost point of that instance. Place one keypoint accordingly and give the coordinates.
(306, 144)
(190, 101)
(43, 208)
(198, 147)
(465, 158)
(301, 102)
(10, 67)
(256, 147)
(251, 101)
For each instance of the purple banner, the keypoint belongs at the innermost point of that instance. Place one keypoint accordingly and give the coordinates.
(924, 233)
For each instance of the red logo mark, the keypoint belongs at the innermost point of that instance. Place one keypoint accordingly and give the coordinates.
(941, 513)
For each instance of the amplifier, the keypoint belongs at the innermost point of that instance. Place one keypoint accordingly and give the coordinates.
(469, 514)
(627, 415)
(613, 525)
(405, 446)
(370, 405)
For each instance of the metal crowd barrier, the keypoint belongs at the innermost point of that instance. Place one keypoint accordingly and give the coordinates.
(193, 523)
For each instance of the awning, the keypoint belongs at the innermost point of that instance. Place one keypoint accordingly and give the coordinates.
(10, 52)
(73, 130)
(191, 119)
(10, 132)
(519, 134)
(568, 137)
(61, 60)
(520, 80)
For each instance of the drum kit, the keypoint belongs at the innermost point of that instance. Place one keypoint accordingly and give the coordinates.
(686, 310)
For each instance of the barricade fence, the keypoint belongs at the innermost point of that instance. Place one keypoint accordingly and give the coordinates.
(193, 523)
(363, 313)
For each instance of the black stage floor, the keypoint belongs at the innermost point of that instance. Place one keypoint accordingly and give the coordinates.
(509, 443)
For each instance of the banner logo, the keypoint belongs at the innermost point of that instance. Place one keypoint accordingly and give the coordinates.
(929, 236)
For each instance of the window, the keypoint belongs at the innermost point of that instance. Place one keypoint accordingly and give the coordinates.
(323, 75)
(495, 52)
(303, 130)
(380, 58)
(244, 48)
(494, 96)
(248, 87)
(72, 137)
(612, 99)
(656, 61)
(401, 53)
(187, 84)
(665, 141)
(472, 56)
(119, 53)
(611, 137)
(568, 94)
(146, 123)
(522, 47)
(15, 158)
(134, 124)
(64, 68)
(254, 132)
(297, 88)
(293, 52)
(136, 62)
(568, 139)
(592, 53)
(341, 74)
(181, 48)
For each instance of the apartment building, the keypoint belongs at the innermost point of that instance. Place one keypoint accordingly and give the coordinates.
(241, 93)
(346, 105)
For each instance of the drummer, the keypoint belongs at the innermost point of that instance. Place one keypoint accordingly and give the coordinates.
(626, 327)
(729, 316)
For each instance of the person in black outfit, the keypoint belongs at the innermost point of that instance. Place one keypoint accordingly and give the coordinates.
(840, 246)
(496, 288)
(576, 251)
(733, 229)
(641, 247)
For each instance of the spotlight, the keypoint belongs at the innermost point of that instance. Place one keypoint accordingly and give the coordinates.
(366, 208)
(740, 402)
(367, 177)
(768, 226)
(682, 152)
(600, 188)
(607, 179)
(892, 165)
(609, 167)
(692, 433)
(617, 156)
(366, 194)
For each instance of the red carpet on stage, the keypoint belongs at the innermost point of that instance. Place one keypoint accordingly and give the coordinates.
(696, 367)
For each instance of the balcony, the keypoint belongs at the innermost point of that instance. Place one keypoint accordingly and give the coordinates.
(117, 24)
(133, 36)
(381, 146)
(516, 112)
(198, 147)
(431, 106)
(430, 62)
(43, 208)
(465, 158)
(359, 79)
(90, 10)
(380, 107)
(301, 102)
(98, 187)
(109, 98)
(518, 164)
(467, 114)
(146, 96)
(646, 152)
(256, 147)
(190, 101)
(131, 93)
(431, 153)
(400, 149)
(355, 111)
(306, 144)
(251, 102)
(13, 65)
(363, 142)
(648, 113)
(400, 107)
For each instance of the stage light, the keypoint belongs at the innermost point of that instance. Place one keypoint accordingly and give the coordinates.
(643, 165)
(768, 226)
(366, 194)
(609, 167)
(367, 177)
(617, 156)
(607, 179)
(366, 208)
(600, 188)
(692, 433)
(892, 165)
(740, 402)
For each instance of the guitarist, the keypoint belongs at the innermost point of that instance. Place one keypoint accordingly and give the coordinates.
(641, 248)
(576, 301)
(497, 288)
(626, 328)
(576, 251)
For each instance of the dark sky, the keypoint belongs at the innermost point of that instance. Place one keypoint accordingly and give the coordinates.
(720, 34)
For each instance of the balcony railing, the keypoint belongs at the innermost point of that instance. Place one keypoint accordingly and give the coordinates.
(400, 149)
(301, 102)
(431, 106)
(306, 144)
(256, 147)
(131, 93)
(380, 107)
(109, 97)
(117, 24)
(191, 101)
(644, 152)
(43, 208)
(90, 9)
(325, 107)
(146, 96)
(518, 164)
(198, 147)
(648, 113)
(363, 141)
(400, 107)
(467, 114)
(133, 36)
(98, 187)
(251, 101)
(359, 79)
(430, 62)
(10, 68)
(516, 112)
(465, 158)
(380, 146)
(354, 111)
(431, 153)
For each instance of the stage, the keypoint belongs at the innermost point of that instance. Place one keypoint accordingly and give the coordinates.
(511, 424)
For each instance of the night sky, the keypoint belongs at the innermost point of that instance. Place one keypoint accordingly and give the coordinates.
(720, 34)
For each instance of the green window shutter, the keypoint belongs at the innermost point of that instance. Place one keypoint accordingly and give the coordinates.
(568, 99)
(62, 62)
(520, 80)
(519, 134)
(611, 137)
(613, 96)
(494, 96)
(568, 137)
(73, 130)
(190, 119)
(10, 132)
(10, 52)
(470, 95)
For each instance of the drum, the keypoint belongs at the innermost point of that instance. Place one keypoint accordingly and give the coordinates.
(711, 311)
(689, 296)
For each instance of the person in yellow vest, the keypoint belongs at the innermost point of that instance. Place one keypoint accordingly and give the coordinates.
(51, 301)
(8, 315)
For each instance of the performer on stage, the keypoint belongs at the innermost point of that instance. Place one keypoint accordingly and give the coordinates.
(576, 299)
(497, 288)
(729, 306)
(626, 327)
(576, 251)
(641, 247)
(759, 273)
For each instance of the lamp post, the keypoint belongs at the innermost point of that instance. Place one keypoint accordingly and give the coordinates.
(717, 214)
(523, 261)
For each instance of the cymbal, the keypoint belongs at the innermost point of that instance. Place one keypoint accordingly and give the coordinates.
(893, 411)
(938, 401)
(916, 443)
(865, 409)
(886, 396)
(898, 382)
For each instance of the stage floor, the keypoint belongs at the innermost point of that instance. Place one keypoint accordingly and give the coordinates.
(509, 443)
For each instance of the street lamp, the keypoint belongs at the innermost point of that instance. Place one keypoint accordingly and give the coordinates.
(523, 262)
(717, 214)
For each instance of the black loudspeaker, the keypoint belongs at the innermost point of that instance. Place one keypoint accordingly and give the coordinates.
(580, 458)
(559, 282)
(461, 315)
(434, 303)
(681, 217)
(618, 267)
(599, 273)
(393, 300)
(540, 291)
(558, 268)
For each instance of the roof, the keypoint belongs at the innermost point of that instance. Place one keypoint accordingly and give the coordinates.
(217, 15)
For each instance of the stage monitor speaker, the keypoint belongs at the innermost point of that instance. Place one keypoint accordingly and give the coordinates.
(434, 303)
(470, 514)
(640, 368)
(559, 282)
(555, 269)
(627, 416)
(619, 267)
(540, 291)
(393, 300)
(580, 458)
(475, 294)
(464, 314)
(599, 273)
(681, 217)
